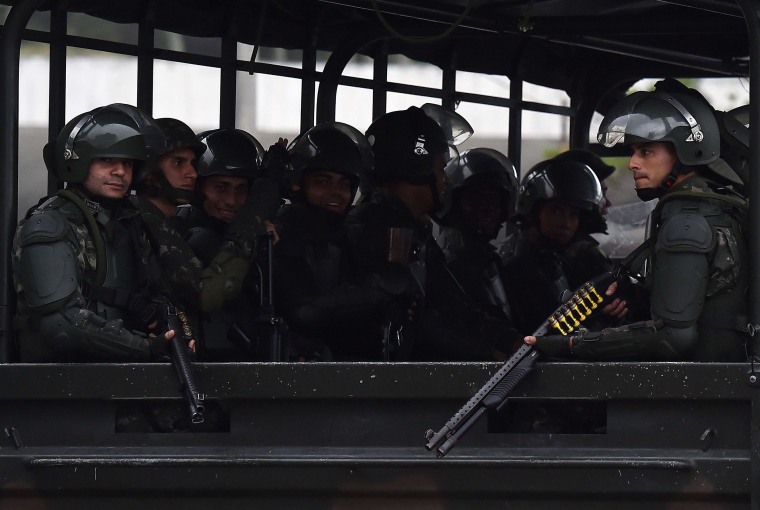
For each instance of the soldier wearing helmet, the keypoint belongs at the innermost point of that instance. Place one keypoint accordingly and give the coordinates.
(559, 202)
(170, 180)
(82, 260)
(234, 200)
(314, 279)
(391, 239)
(696, 249)
(482, 195)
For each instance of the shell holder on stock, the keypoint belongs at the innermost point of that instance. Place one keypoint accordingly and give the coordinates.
(580, 306)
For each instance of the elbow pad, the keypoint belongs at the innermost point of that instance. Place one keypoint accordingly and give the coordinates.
(79, 331)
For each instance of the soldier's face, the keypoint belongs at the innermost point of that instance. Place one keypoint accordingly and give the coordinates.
(480, 208)
(558, 221)
(109, 177)
(178, 168)
(329, 190)
(651, 163)
(224, 196)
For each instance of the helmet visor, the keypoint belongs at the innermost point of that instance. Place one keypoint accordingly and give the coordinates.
(452, 162)
(456, 129)
(646, 117)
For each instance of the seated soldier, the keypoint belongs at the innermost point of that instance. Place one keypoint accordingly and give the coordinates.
(233, 203)
(410, 151)
(85, 274)
(697, 250)
(483, 194)
(167, 182)
(559, 201)
(314, 281)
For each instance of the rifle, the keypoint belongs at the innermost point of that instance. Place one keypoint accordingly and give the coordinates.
(493, 395)
(270, 324)
(173, 321)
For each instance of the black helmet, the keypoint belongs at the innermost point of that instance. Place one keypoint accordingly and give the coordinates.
(571, 182)
(601, 169)
(483, 165)
(180, 136)
(230, 152)
(405, 144)
(685, 121)
(334, 147)
(115, 131)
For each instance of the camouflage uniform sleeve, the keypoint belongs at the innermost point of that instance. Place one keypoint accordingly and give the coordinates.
(179, 265)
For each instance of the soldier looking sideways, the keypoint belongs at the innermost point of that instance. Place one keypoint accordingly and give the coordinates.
(697, 251)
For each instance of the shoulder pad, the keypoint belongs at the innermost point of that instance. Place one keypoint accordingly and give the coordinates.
(45, 226)
(686, 232)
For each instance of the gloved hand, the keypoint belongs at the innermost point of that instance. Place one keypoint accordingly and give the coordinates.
(160, 349)
(276, 166)
(552, 346)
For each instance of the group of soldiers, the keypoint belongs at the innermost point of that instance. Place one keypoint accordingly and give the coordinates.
(345, 246)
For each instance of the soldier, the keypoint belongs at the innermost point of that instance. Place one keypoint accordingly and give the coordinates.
(315, 282)
(391, 238)
(167, 182)
(83, 265)
(482, 196)
(696, 248)
(234, 202)
(170, 180)
(559, 201)
(584, 248)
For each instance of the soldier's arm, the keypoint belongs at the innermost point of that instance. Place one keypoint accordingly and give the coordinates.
(680, 273)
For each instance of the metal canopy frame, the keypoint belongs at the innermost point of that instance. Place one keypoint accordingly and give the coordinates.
(14, 31)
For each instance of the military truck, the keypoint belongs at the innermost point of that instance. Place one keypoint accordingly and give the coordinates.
(352, 435)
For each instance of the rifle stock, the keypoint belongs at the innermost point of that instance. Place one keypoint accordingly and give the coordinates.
(493, 394)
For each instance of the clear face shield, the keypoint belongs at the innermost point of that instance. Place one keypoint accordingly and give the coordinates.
(455, 128)
(648, 116)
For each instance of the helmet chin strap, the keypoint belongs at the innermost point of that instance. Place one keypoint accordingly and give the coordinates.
(174, 195)
(647, 194)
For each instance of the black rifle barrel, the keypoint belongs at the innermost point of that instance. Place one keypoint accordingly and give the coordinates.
(181, 364)
(493, 394)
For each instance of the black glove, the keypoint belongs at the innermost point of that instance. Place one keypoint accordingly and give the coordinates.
(160, 350)
(276, 166)
(555, 346)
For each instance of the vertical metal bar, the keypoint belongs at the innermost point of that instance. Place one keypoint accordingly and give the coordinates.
(146, 45)
(309, 83)
(10, 50)
(448, 88)
(579, 125)
(228, 84)
(750, 10)
(514, 143)
(57, 82)
(380, 80)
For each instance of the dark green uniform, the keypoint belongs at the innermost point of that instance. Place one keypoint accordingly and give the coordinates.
(697, 283)
(68, 310)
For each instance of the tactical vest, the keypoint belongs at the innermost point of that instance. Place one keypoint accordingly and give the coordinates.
(113, 284)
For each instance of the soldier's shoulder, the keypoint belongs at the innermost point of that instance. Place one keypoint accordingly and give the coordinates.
(43, 225)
